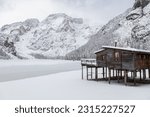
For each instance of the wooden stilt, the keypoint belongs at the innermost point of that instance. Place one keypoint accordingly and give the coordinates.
(103, 72)
(118, 76)
(109, 78)
(140, 75)
(87, 73)
(134, 77)
(82, 72)
(110, 73)
(96, 74)
(125, 78)
(106, 72)
(113, 73)
(144, 74)
(149, 72)
(131, 74)
(91, 73)
(121, 73)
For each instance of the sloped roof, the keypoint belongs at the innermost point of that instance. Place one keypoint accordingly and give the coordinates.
(99, 51)
(125, 49)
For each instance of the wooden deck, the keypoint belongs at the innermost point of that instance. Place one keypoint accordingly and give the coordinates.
(101, 72)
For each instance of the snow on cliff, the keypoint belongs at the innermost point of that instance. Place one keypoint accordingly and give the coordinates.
(130, 29)
(55, 36)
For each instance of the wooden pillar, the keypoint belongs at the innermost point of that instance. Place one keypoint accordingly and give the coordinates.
(82, 73)
(103, 72)
(140, 74)
(99, 73)
(131, 74)
(125, 77)
(110, 73)
(106, 72)
(149, 72)
(121, 73)
(96, 74)
(87, 72)
(134, 77)
(109, 78)
(113, 72)
(144, 74)
(118, 76)
(91, 73)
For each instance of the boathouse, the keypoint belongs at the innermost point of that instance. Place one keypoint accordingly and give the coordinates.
(117, 63)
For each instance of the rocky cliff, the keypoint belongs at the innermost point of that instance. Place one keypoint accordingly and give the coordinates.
(130, 29)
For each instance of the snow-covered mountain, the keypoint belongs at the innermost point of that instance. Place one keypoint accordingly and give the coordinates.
(130, 29)
(53, 37)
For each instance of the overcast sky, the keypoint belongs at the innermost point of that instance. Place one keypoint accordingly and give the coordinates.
(94, 11)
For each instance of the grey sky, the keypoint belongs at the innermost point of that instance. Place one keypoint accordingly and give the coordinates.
(94, 11)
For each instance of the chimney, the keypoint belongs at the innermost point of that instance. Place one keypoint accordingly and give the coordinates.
(115, 43)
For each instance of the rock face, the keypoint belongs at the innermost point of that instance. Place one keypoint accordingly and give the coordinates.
(53, 37)
(141, 3)
(130, 29)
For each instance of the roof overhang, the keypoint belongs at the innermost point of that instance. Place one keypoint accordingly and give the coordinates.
(124, 49)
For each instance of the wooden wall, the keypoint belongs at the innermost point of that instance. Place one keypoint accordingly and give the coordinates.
(124, 60)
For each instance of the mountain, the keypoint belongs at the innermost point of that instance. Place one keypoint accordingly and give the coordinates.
(130, 29)
(53, 37)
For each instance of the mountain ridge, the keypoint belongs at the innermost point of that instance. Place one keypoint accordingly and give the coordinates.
(55, 36)
(130, 29)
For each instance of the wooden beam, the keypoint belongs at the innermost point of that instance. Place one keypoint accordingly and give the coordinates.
(149, 72)
(126, 76)
(134, 77)
(91, 73)
(109, 78)
(103, 72)
(106, 72)
(87, 73)
(131, 74)
(121, 73)
(144, 74)
(116, 73)
(113, 73)
(118, 76)
(96, 74)
(140, 74)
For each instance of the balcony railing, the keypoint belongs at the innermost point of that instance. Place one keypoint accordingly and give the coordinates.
(88, 61)
(93, 62)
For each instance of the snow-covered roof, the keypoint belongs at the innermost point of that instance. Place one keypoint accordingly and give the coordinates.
(125, 49)
(99, 51)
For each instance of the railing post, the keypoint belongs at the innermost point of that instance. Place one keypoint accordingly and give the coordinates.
(82, 73)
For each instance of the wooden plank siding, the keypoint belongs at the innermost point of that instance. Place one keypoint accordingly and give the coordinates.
(118, 62)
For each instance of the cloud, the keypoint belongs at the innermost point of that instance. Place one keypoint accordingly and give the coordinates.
(95, 11)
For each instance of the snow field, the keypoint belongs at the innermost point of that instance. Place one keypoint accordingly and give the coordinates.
(68, 85)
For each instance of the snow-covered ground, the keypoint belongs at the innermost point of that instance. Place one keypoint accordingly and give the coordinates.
(60, 80)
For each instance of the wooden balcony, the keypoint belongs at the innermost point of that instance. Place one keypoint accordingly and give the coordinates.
(88, 62)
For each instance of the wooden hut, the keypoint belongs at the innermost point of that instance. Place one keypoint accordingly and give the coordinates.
(118, 63)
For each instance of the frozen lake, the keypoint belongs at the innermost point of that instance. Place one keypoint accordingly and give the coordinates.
(21, 69)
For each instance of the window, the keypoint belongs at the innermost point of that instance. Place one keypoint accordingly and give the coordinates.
(117, 56)
(103, 57)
